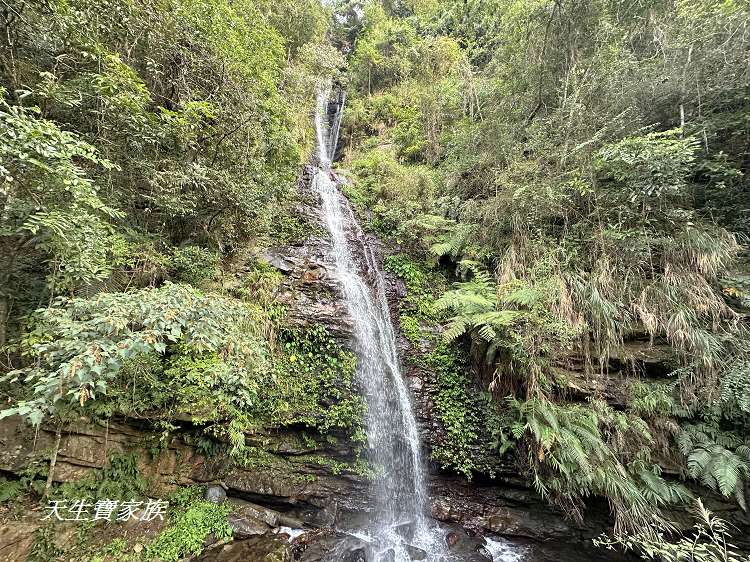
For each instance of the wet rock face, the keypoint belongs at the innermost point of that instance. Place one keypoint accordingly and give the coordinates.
(308, 290)
(264, 548)
(416, 553)
(87, 446)
(531, 521)
(508, 511)
(451, 539)
(357, 555)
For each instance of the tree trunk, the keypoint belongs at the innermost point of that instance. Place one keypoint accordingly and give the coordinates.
(52, 462)
(3, 320)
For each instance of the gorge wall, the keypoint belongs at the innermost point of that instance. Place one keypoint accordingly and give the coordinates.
(298, 478)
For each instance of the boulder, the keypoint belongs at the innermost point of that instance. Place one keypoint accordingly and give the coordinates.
(515, 522)
(406, 530)
(16, 539)
(249, 511)
(388, 556)
(357, 555)
(245, 527)
(215, 494)
(451, 539)
(415, 553)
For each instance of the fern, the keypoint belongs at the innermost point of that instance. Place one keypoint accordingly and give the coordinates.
(708, 541)
(718, 459)
(571, 457)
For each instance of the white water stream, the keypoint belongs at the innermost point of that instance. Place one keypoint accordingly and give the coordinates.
(399, 517)
(399, 520)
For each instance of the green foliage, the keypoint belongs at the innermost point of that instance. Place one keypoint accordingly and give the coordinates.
(191, 521)
(384, 52)
(82, 344)
(589, 197)
(394, 191)
(518, 322)
(115, 549)
(179, 125)
(33, 477)
(418, 305)
(577, 450)
(654, 165)
(315, 384)
(577, 166)
(10, 489)
(476, 302)
(734, 395)
(120, 479)
(49, 201)
(410, 328)
(719, 459)
(43, 548)
(652, 399)
(405, 119)
(707, 541)
(470, 422)
(193, 264)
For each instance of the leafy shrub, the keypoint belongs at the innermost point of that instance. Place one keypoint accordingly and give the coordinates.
(187, 532)
(395, 192)
(82, 344)
(708, 541)
(419, 300)
(652, 399)
(651, 165)
(193, 264)
(52, 204)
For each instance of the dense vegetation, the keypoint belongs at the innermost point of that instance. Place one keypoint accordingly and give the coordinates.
(579, 169)
(150, 151)
(565, 184)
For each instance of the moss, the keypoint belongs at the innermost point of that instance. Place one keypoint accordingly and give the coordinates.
(410, 328)
(315, 384)
(470, 422)
(257, 457)
(358, 466)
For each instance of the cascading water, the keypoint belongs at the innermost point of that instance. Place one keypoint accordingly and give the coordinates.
(399, 519)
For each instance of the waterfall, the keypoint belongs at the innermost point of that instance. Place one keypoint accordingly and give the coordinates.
(399, 518)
